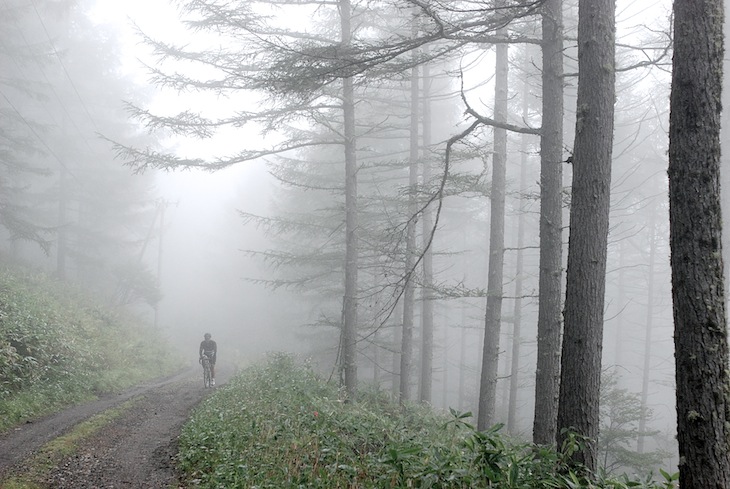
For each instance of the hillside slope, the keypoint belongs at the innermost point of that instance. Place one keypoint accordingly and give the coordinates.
(59, 347)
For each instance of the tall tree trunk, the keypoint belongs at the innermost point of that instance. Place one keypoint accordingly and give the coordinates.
(376, 359)
(377, 338)
(349, 335)
(647, 337)
(462, 360)
(493, 315)
(505, 377)
(62, 234)
(445, 368)
(547, 376)
(620, 300)
(406, 354)
(700, 325)
(725, 157)
(427, 289)
(578, 408)
(396, 346)
(514, 378)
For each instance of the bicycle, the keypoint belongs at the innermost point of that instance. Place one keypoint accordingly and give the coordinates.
(205, 361)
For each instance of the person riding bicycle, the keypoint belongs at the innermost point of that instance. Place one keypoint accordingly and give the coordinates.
(209, 348)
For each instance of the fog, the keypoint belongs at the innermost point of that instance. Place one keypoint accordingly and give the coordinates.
(205, 275)
(222, 272)
(204, 272)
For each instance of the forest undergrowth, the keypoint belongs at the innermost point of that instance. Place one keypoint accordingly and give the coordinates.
(278, 425)
(59, 347)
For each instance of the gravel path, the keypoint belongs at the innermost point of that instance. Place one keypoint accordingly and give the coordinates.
(136, 450)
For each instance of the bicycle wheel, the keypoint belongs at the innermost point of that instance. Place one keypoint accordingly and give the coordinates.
(206, 374)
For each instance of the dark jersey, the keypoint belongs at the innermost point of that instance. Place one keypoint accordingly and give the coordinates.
(210, 348)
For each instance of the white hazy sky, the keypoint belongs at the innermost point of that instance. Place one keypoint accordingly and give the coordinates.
(158, 18)
(201, 227)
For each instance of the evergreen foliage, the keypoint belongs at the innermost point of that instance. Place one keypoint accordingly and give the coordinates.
(620, 421)
(60, 186)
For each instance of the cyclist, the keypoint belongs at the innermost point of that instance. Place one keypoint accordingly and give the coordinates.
(209, 348)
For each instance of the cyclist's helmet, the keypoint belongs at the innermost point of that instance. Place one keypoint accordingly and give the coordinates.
(206, 336)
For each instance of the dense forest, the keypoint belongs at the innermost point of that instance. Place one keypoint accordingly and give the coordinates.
(466, 205)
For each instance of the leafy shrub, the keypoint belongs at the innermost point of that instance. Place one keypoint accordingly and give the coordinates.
(59, 347)
(278, 426)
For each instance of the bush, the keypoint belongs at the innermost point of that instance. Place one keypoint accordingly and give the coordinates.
(59, 347)
(279, 426)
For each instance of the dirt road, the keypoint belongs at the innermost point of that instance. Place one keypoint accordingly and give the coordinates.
(136, 450)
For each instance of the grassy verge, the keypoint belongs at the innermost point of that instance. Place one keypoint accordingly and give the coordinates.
(58, 347)
(279, 426)
(35, 471)
(50, 397)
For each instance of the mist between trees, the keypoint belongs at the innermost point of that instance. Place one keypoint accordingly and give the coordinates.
(431, 198)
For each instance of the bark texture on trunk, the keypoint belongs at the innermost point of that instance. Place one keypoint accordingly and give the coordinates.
(725, 157)
(580, 380)
(547, 378)
(349, 334)
(514, 371)
(406, 358)
(427, 331)
(648, 343)
(493, 315)
(700, 328)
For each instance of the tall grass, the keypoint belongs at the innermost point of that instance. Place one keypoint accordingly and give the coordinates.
(278, 426)
(58, 347)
